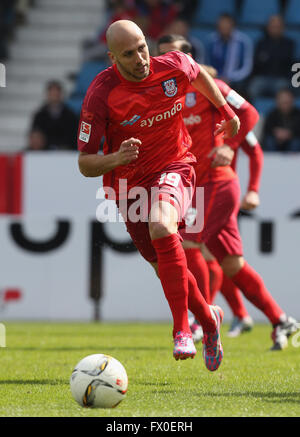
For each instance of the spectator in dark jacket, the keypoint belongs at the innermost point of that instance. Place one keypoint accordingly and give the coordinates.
(282, 125)
(273, 58)
(56, 121)
(230, 52)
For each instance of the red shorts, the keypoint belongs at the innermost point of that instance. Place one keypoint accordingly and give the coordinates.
(174, 184)
(220, 232)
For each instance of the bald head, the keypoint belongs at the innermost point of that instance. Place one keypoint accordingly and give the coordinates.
(122, 32)
(128, 49)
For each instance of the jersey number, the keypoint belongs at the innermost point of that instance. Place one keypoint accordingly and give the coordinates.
(170, 179)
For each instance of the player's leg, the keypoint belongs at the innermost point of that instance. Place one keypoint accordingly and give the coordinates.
(252, 286)
(168, 205)
(197, 265)
(242, 322)
(171, 193)
(172, 265)
(227, 248)
(215, 272)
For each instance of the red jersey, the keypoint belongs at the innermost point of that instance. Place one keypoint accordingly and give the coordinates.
(201, 117)
(150, 110)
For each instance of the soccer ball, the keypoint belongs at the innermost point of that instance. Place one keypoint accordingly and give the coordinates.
(99, 381)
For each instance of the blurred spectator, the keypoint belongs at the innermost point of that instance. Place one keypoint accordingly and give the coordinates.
(155, 16)
(181, 27)
(55, 120)
(273, 58)
(7, 23)
(96, 49)
(282, 125)
(36, 140)
(22, 7)
(230, 52)
(186, 9)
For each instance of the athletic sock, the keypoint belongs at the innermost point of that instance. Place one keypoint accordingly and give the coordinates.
(252, 286)
(173, 273)
(215, 278)
(197, 265)
(199, 307)
(234, 298)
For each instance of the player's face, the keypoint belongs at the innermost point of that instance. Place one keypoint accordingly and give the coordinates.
(133, 60)
(166, 47)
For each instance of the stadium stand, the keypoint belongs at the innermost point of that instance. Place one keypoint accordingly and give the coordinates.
(292, 13)
(47, 46)
(208, 11)
(258, 11)
(87, 73)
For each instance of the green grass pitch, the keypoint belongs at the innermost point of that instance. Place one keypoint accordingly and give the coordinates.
(36, 365)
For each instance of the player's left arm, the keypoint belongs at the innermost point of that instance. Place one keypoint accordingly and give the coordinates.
(254, 151)
(246, 112)
(205, 84)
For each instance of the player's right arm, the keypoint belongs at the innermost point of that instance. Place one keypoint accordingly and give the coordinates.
(94, 119)
(93, 165)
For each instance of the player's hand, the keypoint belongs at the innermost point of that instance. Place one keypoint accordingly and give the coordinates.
(222, 156)
(250, 200)
(229, 127)
(128, 152)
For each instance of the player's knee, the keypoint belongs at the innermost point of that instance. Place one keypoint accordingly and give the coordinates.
(232, 264)
(158, 230)
(188, 244)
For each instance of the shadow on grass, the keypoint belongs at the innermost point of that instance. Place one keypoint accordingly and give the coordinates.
(290, 397)
(34, 382)
(87, 348)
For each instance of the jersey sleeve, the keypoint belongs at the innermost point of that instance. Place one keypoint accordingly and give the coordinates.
(254, 151)
(92, 124)
(248, 116)
(236, 101)
(183, 62)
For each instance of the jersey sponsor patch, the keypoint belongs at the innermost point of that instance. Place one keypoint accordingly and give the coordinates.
(192, 119)
(190, 100)
(234, 99)
(170, 87)
(85, 132)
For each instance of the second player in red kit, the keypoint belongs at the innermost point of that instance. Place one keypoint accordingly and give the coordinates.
(222, 200)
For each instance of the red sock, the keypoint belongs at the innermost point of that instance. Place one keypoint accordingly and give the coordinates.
(197, 265)
(173, 273)
(252, 285)
(199, 306)
(234, 298)
(215, 278)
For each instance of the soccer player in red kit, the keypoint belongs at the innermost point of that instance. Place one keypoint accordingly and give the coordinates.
(137, 105)
(222, 201)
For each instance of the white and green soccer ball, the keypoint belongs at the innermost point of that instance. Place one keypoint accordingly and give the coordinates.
(99, 381)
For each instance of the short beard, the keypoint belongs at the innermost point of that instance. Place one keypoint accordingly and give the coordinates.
(133, 76)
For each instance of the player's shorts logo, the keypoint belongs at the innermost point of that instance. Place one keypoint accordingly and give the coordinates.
(170, 87)
(85, 132)
(190, 99)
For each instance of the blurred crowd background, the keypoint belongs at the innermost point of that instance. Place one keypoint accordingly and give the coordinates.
(52, 49)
